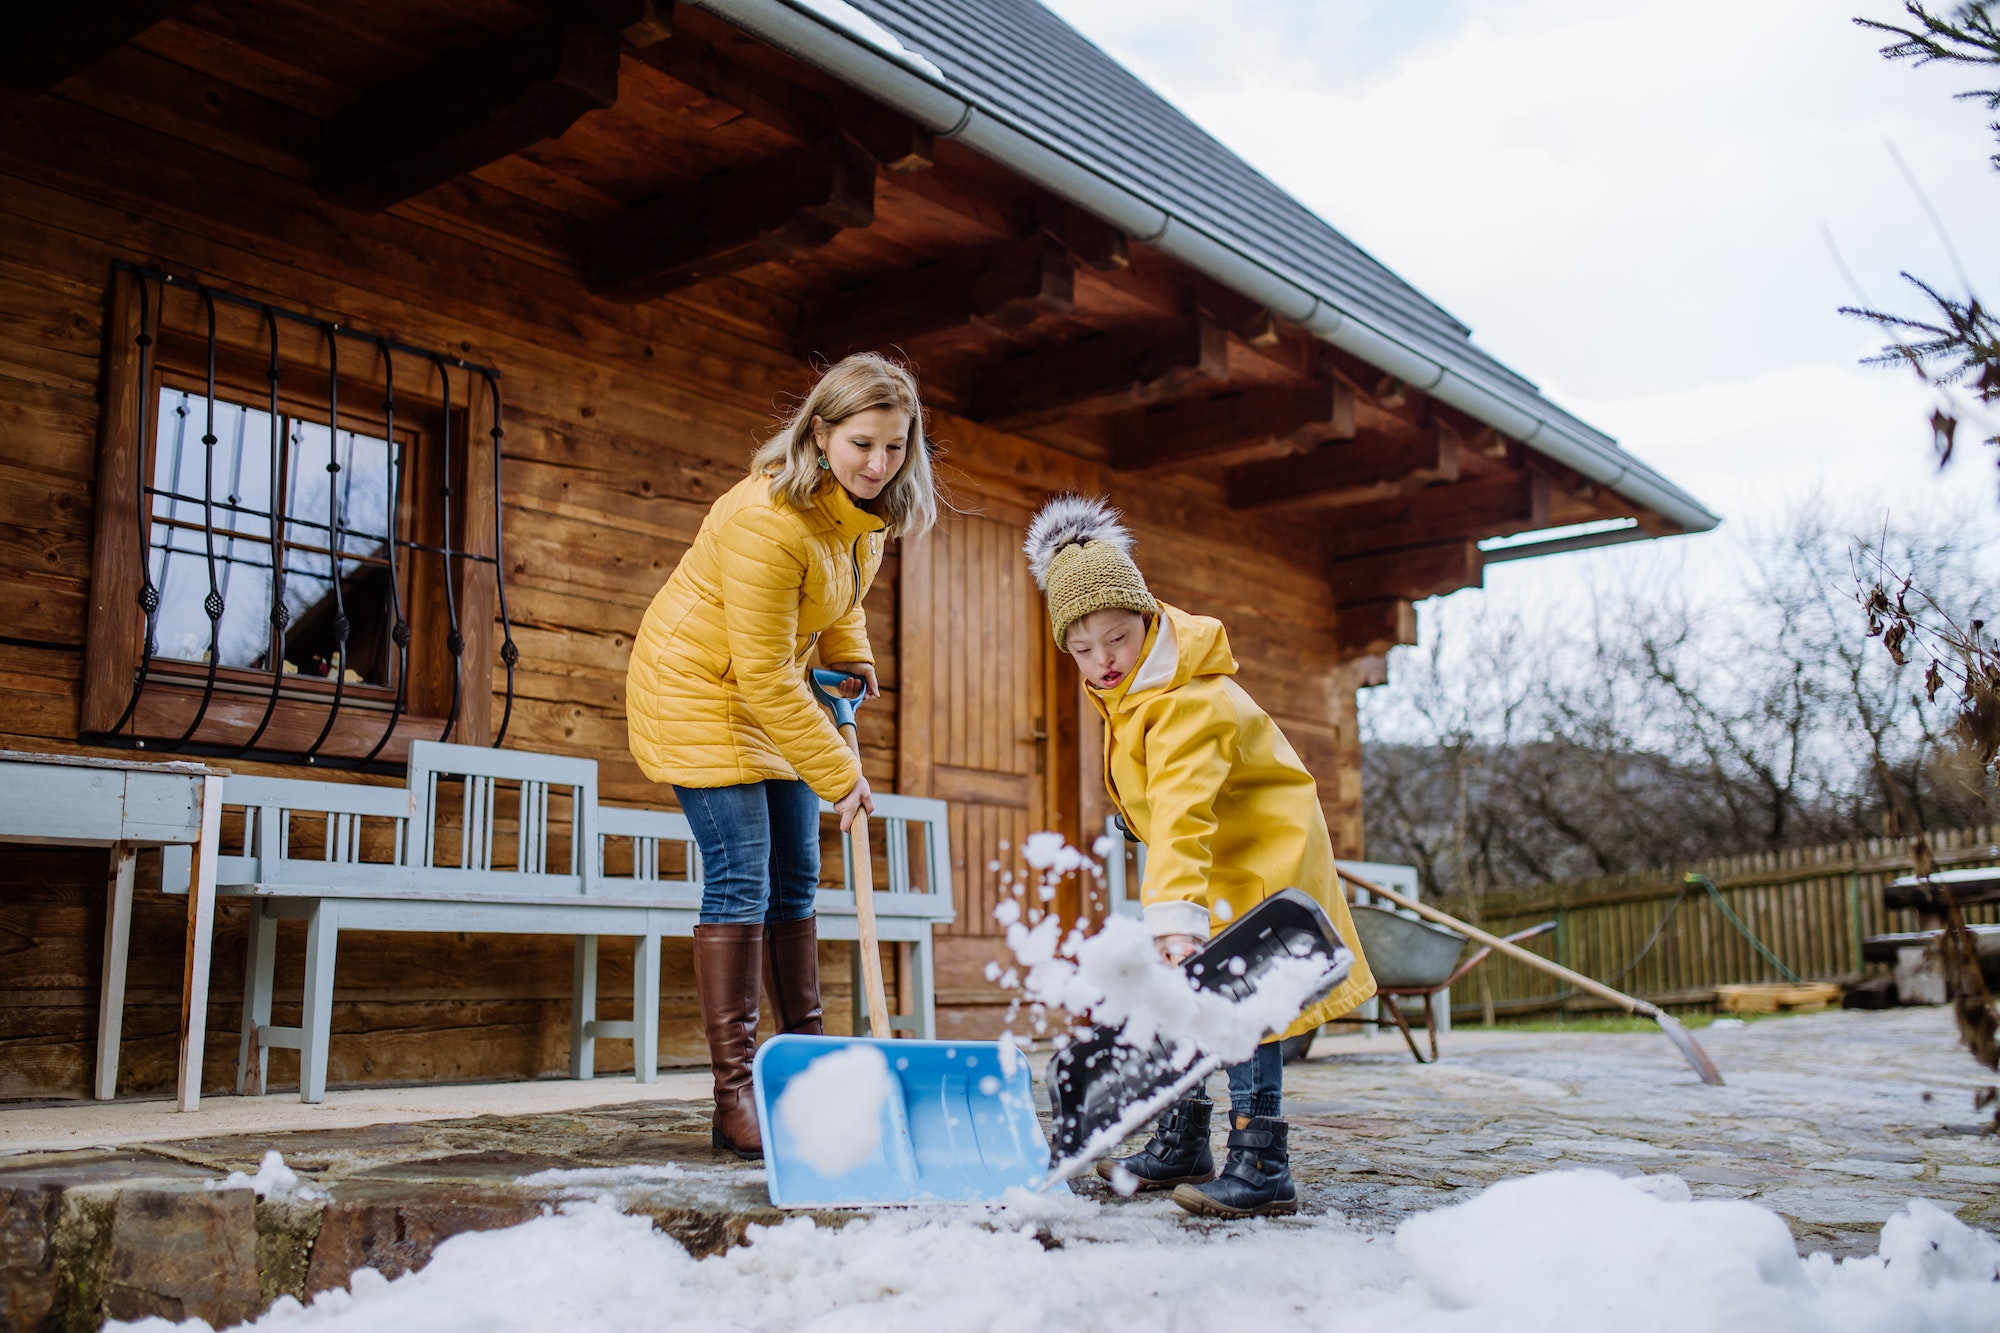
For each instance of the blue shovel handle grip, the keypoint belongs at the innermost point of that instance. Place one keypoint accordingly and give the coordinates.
(823, 683)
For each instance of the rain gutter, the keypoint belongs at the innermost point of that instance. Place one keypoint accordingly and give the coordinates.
(934, 104)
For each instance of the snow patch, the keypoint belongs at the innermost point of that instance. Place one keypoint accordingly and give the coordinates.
(274, 1180)
(1566, 1252)
(833, 1109)
(593, 1178)
(843, 15)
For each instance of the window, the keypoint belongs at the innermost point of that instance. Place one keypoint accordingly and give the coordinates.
(297, 544)
(355, 482)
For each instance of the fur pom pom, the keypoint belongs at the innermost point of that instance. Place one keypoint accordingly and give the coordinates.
(1069, 520)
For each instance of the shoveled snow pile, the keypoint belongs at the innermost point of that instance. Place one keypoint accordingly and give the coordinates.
(1574, 1250)
(833, 1109)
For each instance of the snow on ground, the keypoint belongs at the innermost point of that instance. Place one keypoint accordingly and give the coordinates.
(1570, 1250)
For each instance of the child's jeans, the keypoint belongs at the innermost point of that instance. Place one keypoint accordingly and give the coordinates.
(759, 846)
(1256, 1086)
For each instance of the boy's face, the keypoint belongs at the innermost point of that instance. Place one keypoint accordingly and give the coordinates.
(1106, 645)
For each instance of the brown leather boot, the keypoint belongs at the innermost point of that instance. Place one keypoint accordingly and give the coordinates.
(791, 974)
(727, 962)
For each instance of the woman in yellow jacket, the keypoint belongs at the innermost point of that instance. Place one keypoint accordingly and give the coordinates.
(1229, 816)
(718, 705)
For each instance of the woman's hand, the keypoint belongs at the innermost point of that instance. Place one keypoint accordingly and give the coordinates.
(1174, 949)
(858, 798)
(863, 688)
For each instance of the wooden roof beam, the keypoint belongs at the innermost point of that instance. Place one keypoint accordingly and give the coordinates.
(771, 211)
(1090, 238)
(1370, 629)
(1093, 376)
(1005, 286)
(1410, 575)
(1370, 467)
(1493, 506)
(1233, 427)
(469, 107)
(47, 43)
(895, 141)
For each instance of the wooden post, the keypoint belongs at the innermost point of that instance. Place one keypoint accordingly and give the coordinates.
(1856, 963)
(200, 942)
(111, 992)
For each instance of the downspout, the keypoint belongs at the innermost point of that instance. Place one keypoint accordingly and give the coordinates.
(1131, 208)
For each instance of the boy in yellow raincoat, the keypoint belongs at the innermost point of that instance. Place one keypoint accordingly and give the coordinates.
(1229, 816)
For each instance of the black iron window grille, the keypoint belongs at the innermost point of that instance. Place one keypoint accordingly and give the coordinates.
(303, 563)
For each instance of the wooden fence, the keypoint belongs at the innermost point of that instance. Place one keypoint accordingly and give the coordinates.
(1811, 907)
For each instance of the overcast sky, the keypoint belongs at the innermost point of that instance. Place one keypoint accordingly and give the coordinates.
(1627, 203)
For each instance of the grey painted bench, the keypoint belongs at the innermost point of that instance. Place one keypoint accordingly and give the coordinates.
(482, 840)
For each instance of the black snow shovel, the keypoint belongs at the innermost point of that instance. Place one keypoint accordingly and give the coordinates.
(1102, 1088)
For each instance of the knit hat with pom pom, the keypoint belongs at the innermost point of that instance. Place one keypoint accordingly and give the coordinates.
(1080, 555)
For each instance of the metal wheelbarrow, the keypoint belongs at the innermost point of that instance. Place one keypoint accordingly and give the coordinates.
(1415, 958)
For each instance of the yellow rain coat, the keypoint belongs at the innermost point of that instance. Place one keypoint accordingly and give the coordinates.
(1206, 780)
(716, 692)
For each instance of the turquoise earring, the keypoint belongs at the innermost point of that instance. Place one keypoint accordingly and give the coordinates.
(824, 466)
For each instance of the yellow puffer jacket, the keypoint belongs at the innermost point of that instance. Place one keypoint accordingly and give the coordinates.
(1206, 780)
(716, 692)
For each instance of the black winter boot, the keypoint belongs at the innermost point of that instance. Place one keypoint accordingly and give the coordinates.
(1177, 1153)
(1256, 1180)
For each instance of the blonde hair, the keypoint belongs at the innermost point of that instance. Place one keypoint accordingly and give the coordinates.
(908, 504)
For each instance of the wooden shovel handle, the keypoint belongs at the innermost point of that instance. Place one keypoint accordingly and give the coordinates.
(1629, 1003)
(862, 865)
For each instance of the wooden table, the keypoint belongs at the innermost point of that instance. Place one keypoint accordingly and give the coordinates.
(71, 801)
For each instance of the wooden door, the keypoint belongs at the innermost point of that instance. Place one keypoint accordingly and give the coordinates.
(975, 729)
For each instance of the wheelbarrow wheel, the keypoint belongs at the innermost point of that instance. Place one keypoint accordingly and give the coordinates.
(1295, 1049)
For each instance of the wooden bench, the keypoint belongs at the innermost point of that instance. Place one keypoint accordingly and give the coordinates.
(482, 840)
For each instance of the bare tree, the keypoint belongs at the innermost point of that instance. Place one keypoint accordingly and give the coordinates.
(1654, 724)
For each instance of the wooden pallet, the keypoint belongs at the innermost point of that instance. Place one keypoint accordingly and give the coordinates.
(1769, 998)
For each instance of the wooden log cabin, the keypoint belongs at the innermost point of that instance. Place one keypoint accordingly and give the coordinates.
(535, 275)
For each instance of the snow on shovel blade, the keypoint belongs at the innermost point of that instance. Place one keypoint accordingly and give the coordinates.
(853, 1122)
(1102, 1088)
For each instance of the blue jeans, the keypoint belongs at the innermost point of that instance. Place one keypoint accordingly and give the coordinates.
(759, 846)
(1256, 1087)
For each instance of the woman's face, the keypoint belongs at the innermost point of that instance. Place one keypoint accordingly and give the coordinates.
(866, 450)
(1106, 645)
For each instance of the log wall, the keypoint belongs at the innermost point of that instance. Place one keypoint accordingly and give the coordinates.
(624, 423)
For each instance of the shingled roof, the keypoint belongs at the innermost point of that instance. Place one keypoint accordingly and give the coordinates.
(1013, 80)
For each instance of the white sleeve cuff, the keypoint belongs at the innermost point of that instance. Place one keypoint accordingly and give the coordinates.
(1177, 917)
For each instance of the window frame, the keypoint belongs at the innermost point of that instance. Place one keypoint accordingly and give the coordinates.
(165, 332)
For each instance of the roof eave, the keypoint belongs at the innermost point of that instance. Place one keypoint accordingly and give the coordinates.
(1128, 205)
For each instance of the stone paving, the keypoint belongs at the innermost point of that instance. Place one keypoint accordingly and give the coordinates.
(1832, 1120)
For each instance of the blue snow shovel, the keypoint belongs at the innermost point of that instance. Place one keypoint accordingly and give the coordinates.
(955, 1125)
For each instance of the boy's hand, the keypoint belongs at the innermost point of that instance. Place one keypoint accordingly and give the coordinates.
(863, 688)
(1174, 949)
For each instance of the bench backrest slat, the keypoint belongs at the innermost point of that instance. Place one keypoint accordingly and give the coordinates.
(478, 772)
